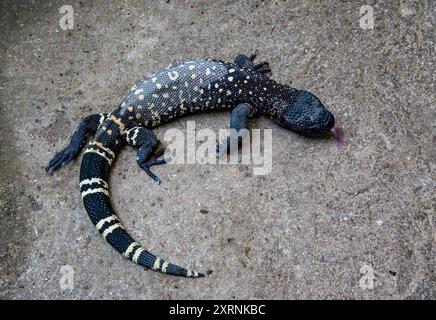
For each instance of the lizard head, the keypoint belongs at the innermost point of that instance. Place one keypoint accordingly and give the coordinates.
(307, 115)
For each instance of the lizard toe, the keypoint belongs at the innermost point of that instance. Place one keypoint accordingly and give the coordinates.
(61, 158)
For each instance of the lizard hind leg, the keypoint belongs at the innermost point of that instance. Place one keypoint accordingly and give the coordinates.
(147, 142)
(89, 124)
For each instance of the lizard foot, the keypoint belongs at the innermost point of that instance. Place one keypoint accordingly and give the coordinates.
(248, 62)
(62, 158)
(262, 67)
(154, 161)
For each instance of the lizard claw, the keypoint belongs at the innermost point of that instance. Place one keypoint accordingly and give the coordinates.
(151, 174)
(253, 55)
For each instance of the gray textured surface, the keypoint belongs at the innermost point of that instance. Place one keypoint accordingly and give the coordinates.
(303, 231)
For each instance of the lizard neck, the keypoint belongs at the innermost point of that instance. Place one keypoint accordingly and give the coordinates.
(271, 97)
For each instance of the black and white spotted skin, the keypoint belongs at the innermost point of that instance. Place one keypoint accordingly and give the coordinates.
(193, 86)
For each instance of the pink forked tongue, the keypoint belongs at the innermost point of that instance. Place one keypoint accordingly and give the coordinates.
(336, 132)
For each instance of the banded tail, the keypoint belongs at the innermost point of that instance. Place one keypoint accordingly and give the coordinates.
(94, 174)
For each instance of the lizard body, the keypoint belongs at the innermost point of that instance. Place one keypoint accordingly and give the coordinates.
(193, 86)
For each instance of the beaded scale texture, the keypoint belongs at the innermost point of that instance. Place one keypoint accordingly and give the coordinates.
(169, 93)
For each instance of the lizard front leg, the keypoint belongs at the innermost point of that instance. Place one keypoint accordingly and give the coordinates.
(247, 62)
(146, 141)
(238, 122)
(87, 125)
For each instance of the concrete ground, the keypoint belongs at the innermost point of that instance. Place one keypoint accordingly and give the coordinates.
(354, 222)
